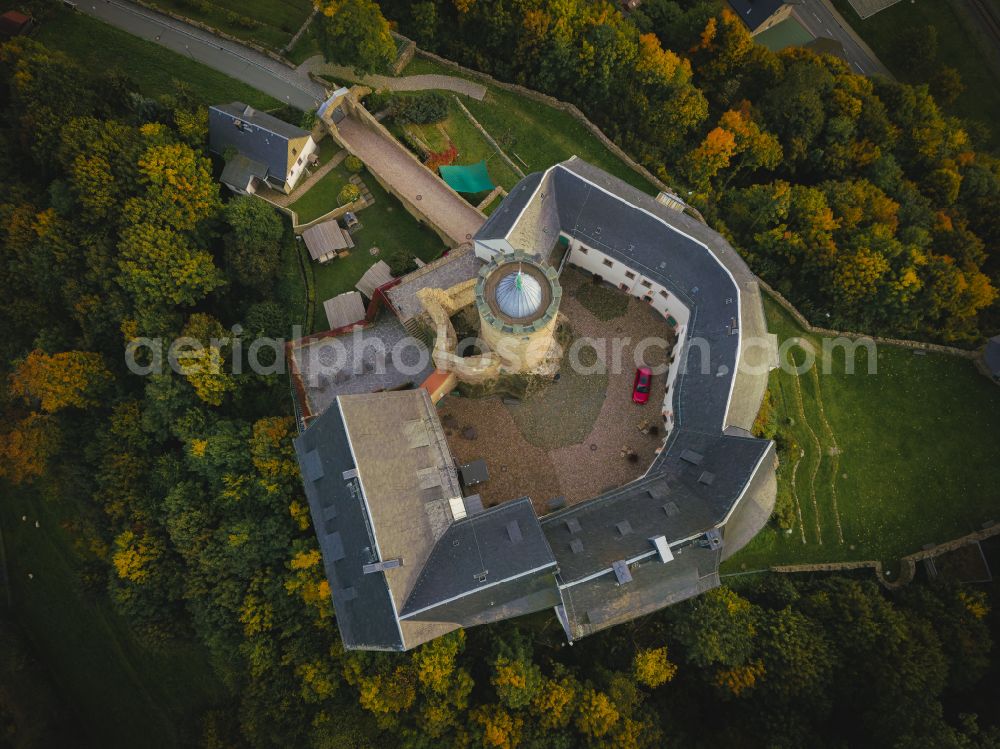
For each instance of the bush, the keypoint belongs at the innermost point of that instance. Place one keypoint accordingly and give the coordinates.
(378, 100)
(348, 194)
(353, 164)
(422, 109)
(401, 262)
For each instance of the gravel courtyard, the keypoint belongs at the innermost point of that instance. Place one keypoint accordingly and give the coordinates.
(570, 438)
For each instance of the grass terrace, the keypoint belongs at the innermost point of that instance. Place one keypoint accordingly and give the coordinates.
(155, 69)
(889, 462)
(472, 147)
(265, 22)
(533, 134)
(322, 196)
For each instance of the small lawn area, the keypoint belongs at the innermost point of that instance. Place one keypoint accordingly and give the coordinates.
(909, 455)
(321, 197)
(981, 99)
(277, 21)
(472, 147)
(124, 694)
(386, 225)
(535, 133)
(155, 69)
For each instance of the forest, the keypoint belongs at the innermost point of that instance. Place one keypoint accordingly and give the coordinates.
(858, 198)
(181, 494)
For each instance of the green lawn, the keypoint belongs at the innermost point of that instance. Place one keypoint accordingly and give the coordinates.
(918, 462)
(278, 21)
(472, 147)
(534, 134)
(981, 99)
(123, 694)
(155, 69)
(322, 197)
(386, 225)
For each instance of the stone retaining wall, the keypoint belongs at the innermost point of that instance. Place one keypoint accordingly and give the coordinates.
(405, 54)
(908, 563)
(298, 228)
(337, 212)
(489, 138)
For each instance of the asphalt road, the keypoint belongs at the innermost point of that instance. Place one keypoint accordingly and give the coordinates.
(821, 19)
(235, 60)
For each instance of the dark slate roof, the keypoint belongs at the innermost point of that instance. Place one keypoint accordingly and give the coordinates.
(607, 220)
(261, 137)
(525, 595)
(240, 169)
(602, 602)
(363, 604)
(992, 355)
(503, 542)
(701, 472)
(755, 12)
(502, 219)
(672, 500)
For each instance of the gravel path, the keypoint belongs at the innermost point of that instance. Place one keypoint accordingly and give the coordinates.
(453, 83)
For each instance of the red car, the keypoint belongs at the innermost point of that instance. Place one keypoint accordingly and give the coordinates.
(640, 388)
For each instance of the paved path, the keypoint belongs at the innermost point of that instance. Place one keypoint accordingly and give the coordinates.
(388, 159)
(404, 83)
(821, 19)
(235, 60)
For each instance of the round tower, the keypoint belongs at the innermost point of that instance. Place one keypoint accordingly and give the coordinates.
(518, 301)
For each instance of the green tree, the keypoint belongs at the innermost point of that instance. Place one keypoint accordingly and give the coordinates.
(253, 246)
(161, 268)
(58, 381)
(355, 33)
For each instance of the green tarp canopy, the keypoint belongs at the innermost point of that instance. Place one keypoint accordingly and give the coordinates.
(469, 178)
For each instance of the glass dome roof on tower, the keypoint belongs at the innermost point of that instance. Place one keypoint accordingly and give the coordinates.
(518, 295)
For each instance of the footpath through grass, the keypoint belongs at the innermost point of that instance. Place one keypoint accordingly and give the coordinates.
(124, 694)
(155, 69)
(882, 32)
(902, 458)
